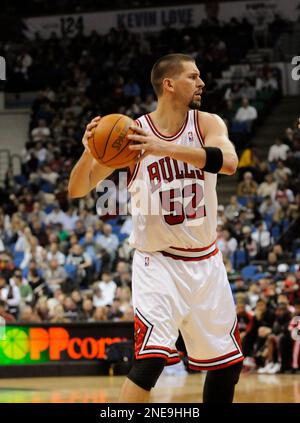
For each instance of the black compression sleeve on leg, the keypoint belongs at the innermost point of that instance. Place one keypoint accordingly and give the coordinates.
(145, 372)
(219, 384)
(214, 159)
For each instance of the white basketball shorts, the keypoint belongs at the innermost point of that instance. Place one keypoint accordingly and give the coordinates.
(186, 290)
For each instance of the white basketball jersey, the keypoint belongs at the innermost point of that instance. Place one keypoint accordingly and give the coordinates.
(173, 203)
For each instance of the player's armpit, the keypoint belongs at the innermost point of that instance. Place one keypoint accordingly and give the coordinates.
(216, 135)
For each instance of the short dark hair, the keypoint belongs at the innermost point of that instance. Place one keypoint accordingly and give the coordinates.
(169, 65)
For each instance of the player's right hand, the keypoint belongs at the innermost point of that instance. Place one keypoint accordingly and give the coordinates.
(90, 128)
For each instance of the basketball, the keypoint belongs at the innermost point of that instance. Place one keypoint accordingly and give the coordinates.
(109, 145)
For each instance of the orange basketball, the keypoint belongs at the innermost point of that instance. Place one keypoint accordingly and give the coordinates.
(109, 145)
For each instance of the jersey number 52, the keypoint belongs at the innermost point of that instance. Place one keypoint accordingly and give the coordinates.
(187, 203)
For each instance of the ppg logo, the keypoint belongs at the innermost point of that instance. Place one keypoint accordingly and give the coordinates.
(2, 69)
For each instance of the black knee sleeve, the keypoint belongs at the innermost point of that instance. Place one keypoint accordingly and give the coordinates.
(145, 372)
(219, 384)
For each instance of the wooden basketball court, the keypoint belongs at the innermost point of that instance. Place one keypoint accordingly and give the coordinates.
(187, 388)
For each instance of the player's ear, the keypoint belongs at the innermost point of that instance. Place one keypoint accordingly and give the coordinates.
(168, 84)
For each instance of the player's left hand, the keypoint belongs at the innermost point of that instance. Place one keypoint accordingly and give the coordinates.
(149, 144)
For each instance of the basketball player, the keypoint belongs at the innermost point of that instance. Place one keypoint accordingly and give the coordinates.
(179, 281)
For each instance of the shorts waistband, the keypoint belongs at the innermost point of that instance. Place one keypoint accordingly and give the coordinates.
(191, 253)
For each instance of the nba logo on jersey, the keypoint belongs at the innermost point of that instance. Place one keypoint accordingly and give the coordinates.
(190, 136)
(147, 261)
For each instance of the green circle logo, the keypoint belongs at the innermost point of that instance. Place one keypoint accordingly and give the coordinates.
(16, 344)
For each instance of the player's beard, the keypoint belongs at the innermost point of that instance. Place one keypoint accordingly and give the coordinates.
(194, 105)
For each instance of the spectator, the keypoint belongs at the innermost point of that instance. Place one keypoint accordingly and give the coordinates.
(82, 263)
(248, 90)
(109, 242)
(10, 293)
(87, 310)
(226, 243)
(69, 219)
(262, 238)
(114, 312)
(248, 187)
(108, 288)
(246, 114)
(9, 318)
(55, 275)
(281, 172)
(54, 253)
(274, 337)
(267, 188)
(41, 132)
(58, 315)
(278, 151)
(100, 314)
(26, 293)
(28, 315)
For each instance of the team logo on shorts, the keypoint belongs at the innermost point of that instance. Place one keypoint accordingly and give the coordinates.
(147, 261)
(190, 135)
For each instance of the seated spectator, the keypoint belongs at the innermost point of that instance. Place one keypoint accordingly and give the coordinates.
(98, 298)
(233, 93)
(248, 187)
(109, 242)
(289, 137)
(281, 172)
(262, 238)
(128, 314)
(122, 276)
(252, 296)
(248, 90)
(114, 312)
(10, 294)
(278, 151)
(77, 298)
(233, 208)
(83, 264)
(267, 207)
(108, 287)
(42, 309)
(268, 187)
(246, 114)
(125, 295)
(55, 275)
(100, 314)
(54, 253)
(69, 219)
(9, 318)
(87, 310)
(41, 132)
(56, 216)
(226, 243)
(244, 319)
(253, 342)
(28, 315)
(247, 243)
(70, 309)
(26, 293)
(58, 315)
(37, 213)
(274, 337)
